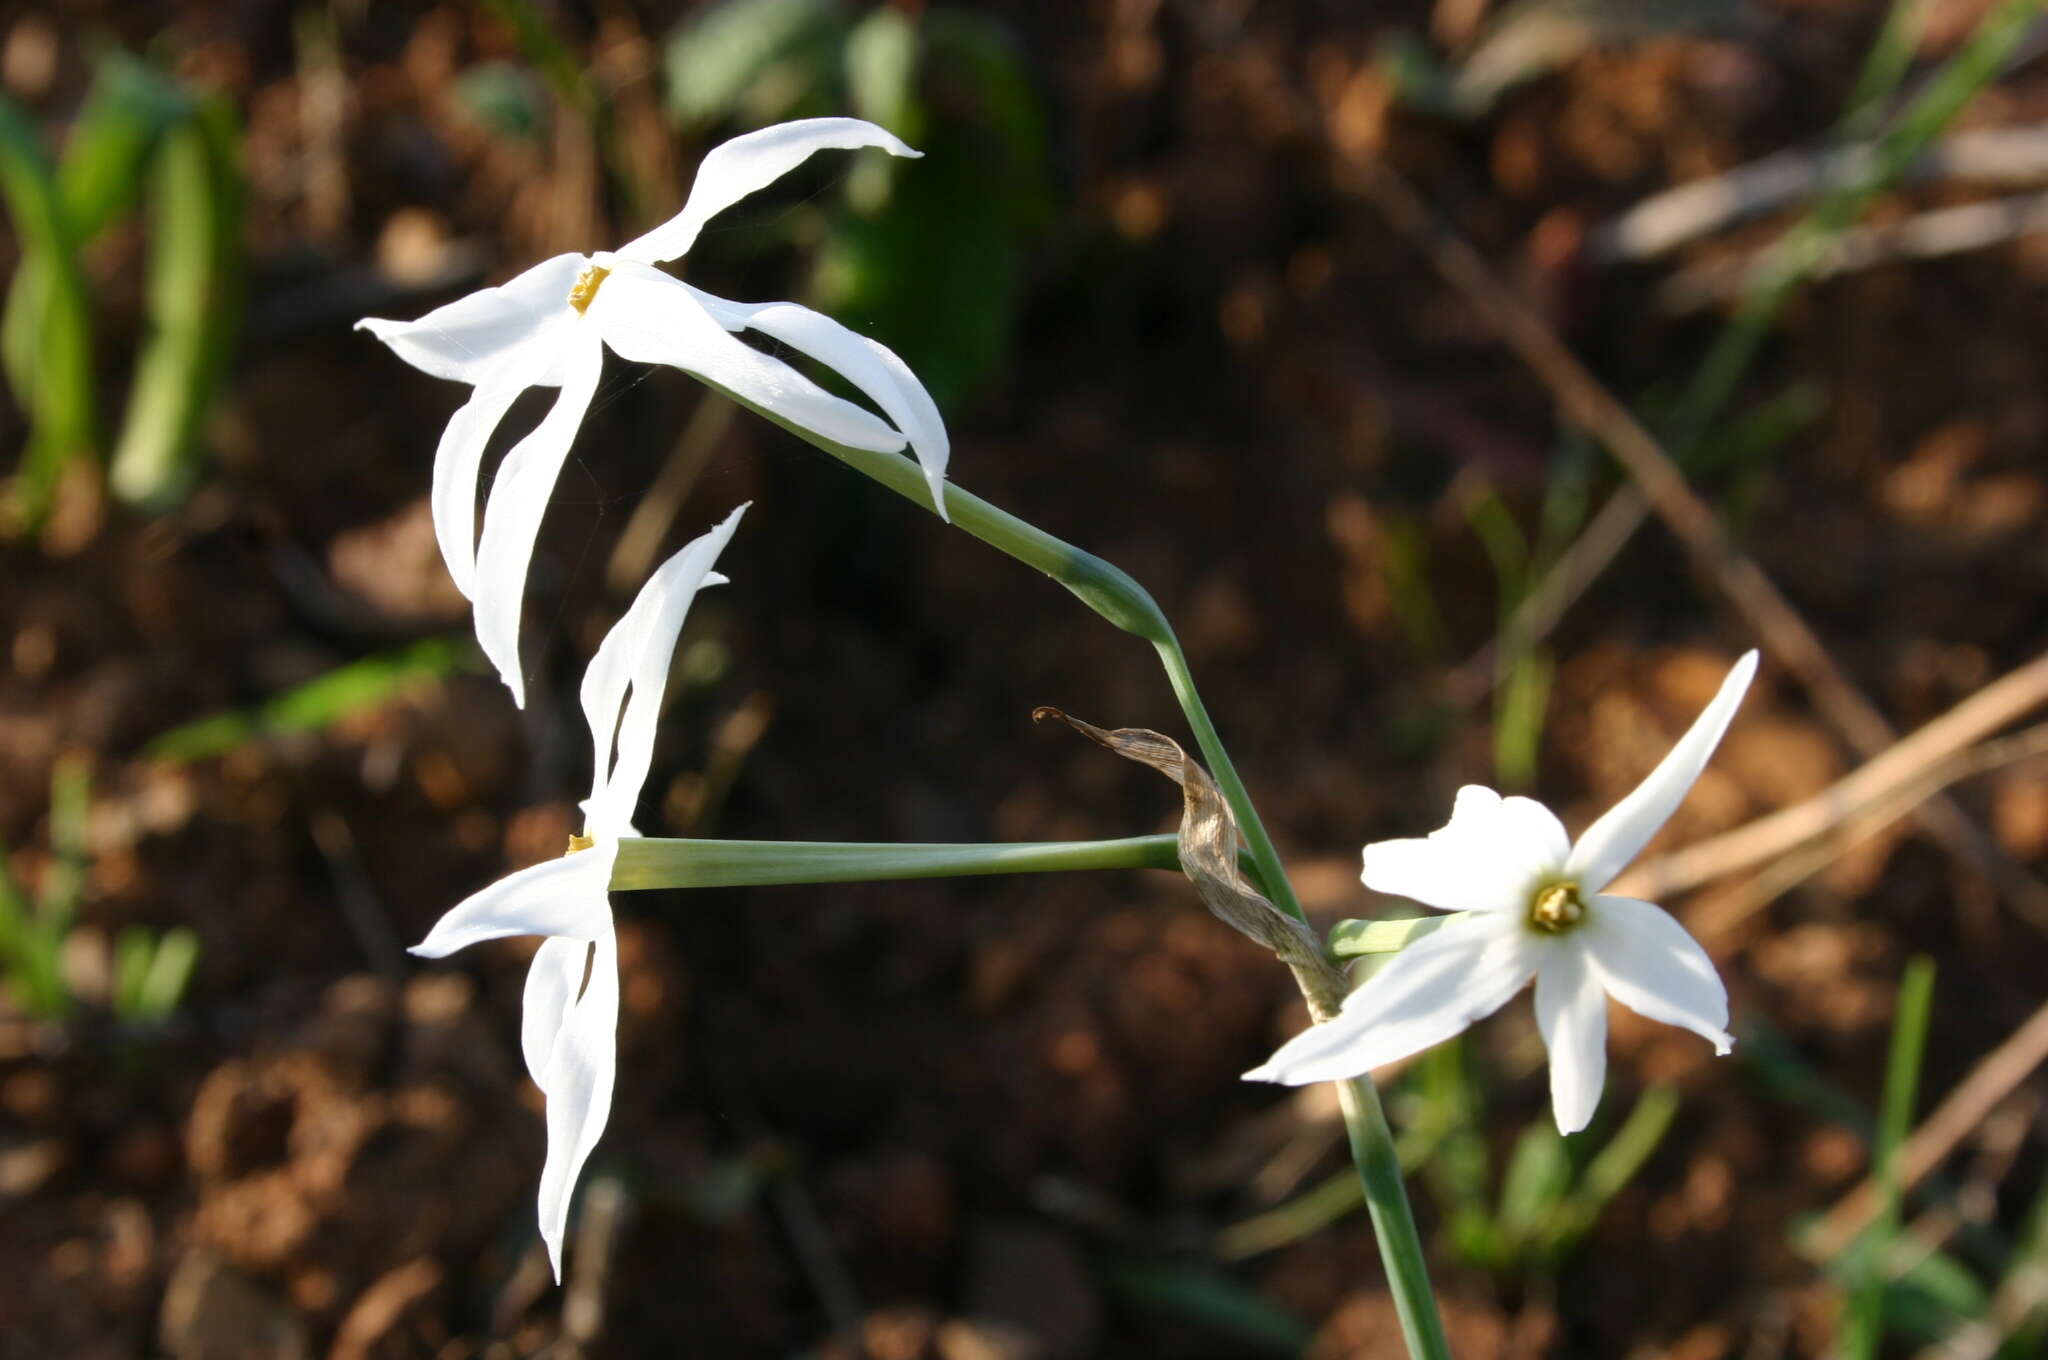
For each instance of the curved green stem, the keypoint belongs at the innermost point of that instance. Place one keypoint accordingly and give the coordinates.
(1114, 595)
(1106, 589)
(1273, 875)
(1393, 1222)
(655, 862)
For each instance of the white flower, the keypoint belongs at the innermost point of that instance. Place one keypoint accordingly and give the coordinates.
(548, 328)
(1534, 908)
(569, 1029)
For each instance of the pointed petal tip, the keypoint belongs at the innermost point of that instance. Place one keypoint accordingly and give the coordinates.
(554, 1258)
(1570, 1127)
(1724, 1044)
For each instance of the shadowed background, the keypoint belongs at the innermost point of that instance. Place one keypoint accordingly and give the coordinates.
(1185, 276)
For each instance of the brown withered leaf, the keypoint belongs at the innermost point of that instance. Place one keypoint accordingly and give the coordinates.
(1208, 856)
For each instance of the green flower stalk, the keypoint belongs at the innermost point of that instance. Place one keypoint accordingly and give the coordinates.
(1113, 594)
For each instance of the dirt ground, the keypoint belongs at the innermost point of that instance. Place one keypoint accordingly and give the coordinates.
(987, 1118)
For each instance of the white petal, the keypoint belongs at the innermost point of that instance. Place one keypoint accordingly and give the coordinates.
(518, 500)
(1491, 855)
(458, 462)
(465, 340)
(552, 982)
(579, 1091)
(1619, 836)
(564, 896)
(869, 365)
(636, 653)
(734, 169)
(1425, 994)
(1648, 963)
(1571, 1012)
(651, 318)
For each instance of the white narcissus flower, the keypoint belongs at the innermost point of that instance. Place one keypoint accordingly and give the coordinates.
(569, 1027)
(1533, 907)
(548, 328)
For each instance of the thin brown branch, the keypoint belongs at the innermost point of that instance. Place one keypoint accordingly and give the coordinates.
(1676, 217)
(1586, 403)
(1905, 764)
(1989, 1083)
(1800, 863)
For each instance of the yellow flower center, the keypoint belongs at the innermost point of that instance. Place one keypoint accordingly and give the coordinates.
(579, 843)
(1556, 908)
(586, 287)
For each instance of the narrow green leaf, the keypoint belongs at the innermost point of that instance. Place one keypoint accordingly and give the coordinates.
(1941, 98)
(319, 702)
(1611, 1170)
(1864, 1325)
(1307, 1213)
(1539, 1175)
(64, 881)
(133, 949)
(881, 72)
(714, 60)
(16, 920)
(1519, 709)
(170, 972)
(547, 52)
(100, 174)
(1204, 1295)
(1507, 547)
(51, 369)
(193, 299)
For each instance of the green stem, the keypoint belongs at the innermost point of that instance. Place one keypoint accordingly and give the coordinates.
(1393, 1222)
(1272, 874)
(1114, 595)
(653, 862)
(1107, 590)
(1356, 939)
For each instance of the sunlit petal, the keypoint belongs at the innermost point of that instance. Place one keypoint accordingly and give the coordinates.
(1491, 856)
(651, 318)
(1619, 836)
(1571, 1012)
(1422, 996)
(458, 461)
(868, 365)
(734, 169)
(630, 673)
(512, 515)
(552, 981)
(1648, 963)
(579, 1091)
(557, 897)
(472, 336)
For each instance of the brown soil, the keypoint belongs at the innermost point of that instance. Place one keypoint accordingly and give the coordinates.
(970, 1106)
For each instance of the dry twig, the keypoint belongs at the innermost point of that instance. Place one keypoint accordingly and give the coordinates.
(1989, 1083)
(1930, 752)
(1923, 236)
(1690, 212)
(1585, 402)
